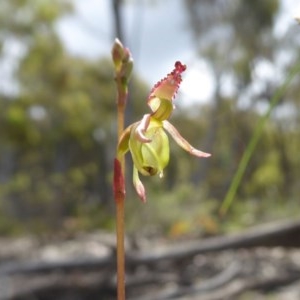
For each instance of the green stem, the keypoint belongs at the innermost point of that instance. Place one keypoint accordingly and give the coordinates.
(229, 197)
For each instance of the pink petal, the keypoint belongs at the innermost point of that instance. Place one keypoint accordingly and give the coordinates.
(183, 143)
(168, 86)
(141, 129)
(138, 185)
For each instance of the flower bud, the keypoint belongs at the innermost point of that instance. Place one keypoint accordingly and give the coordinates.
(126, 69)
(117, 53)
(122, 59)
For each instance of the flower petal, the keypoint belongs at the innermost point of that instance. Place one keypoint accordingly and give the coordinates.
(162, 109)
(149, 149)
(141, 129)
(167, 87)
(138, 185)
(123, 145)
(182, 142)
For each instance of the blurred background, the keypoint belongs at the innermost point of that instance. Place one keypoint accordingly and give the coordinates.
(58, 114)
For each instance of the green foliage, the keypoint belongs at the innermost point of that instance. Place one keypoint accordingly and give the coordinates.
(58, 132)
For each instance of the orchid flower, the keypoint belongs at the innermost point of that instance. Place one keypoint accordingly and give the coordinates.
(147, 140)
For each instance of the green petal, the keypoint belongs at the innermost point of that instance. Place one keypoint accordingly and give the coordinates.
(162, 108)
(150, 157)
(135, 146)
(123, 145)
(156, 153)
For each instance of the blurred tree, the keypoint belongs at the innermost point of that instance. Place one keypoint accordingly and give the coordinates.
(57, 112)
(57, 126)
(248, 60)
(233, 37)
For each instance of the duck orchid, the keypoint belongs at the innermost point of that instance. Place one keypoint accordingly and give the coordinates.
(147, 140)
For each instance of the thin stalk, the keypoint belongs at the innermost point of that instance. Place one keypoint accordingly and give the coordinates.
(123, 64)
(120, 222)
(229, 197)
(120, 250)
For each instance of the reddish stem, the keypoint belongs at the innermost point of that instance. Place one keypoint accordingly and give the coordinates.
(119, 194)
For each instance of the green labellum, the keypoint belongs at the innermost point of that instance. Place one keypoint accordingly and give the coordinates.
(150, 158)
